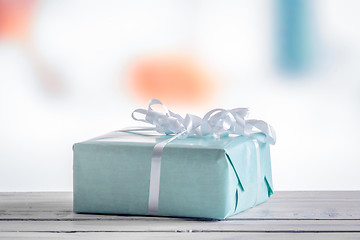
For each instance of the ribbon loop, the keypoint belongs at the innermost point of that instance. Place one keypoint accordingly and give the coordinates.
(217, 122)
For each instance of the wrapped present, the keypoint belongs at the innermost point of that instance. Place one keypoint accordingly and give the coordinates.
(211, 167)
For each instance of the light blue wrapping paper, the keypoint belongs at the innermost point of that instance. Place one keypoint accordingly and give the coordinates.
(200, 177)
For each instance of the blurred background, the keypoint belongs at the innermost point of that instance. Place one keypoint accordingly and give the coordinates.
(72, 70)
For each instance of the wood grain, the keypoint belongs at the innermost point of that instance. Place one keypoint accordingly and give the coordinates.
(190, 236)
(287, 215)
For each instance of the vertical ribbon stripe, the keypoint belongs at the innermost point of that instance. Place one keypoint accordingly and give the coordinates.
(258, 170)
(155, 172)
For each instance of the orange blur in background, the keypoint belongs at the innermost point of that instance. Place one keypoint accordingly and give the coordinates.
(174, 78)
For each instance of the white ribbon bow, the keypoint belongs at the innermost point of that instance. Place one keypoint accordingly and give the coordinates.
(217, 122)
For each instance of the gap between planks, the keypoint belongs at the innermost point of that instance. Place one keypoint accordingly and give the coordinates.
(181, 235)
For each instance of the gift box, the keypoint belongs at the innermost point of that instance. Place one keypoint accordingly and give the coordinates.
(142, 172)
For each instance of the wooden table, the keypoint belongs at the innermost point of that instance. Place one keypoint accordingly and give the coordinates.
(287, 215)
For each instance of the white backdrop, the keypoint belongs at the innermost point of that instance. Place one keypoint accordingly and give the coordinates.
(88, 43)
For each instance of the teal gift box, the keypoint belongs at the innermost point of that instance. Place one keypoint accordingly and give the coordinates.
(201, 177)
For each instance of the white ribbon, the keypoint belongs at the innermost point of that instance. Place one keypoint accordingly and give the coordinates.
(217, 122)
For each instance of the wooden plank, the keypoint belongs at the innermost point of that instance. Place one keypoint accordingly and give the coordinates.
(181, 235)
(318, 195)
(288, 215)
(307, 205)
(164, 225)
(64, 199)
(277, 194)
